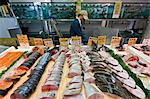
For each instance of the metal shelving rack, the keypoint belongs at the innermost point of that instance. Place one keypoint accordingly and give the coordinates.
(60, 10)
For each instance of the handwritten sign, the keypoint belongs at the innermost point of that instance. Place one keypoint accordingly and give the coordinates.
(23, 40)
(63, 41)
(117, 9)
(76, 40)
(101, 40)
(38, 42)
(115, 41)
(92, 40)
(132, 41)
(48, 42)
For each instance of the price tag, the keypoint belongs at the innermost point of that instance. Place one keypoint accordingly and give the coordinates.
(132, 41)
(146, 41)
(38, 42)
(63, 41)
(117, 9)
(92, 40)
(101, 40)
(115, 41)
(76, 40)
(48, 42)
(23, 40)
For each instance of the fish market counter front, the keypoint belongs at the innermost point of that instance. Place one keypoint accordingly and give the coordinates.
(68, 73)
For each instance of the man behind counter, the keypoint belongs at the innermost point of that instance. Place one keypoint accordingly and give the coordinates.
(76, 28)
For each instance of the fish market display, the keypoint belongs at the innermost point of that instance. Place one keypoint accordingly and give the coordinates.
(74, 66)
(7, 60)
(111, 77)
(92, 92)
(79, 71)
(88, 77)
(76, 79)
(139, 67)
(22, 69)
(27, 54)
(29, 86)
(47, 95)
(144, 49)
(85, 62)
(73, 87)
(55, 56)
(30, 61)
(18, 72)
(54, 78)
(5, 86)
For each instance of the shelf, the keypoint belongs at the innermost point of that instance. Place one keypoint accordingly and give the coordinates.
(63, 20)
(92, 20)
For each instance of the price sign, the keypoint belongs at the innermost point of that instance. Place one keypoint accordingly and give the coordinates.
(48, 42)
(132, 41)
(63, 41)
(101, 40)
(76, 40)
(23, 40)
(38, 42)
(92, 40)
(117, 9)
(115, 41)
(146, 41)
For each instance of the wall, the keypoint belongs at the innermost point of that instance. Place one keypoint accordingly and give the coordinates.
(146, 1)
(147, 31)
(5, 24)
(64, 26)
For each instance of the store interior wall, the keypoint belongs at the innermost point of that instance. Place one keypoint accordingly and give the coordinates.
(5, 24)
(36, 26)
(74, 0)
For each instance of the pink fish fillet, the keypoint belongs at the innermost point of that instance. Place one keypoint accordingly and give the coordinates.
(88, 77)
(55, 56)
(76, 79)
(92, 92)
(74, 86)
(74, 71)
(123, 74)
(72, 92)
(47, 95)
(117, 68)
(87, 68)
(50, 85)
(80, 96)
(112, 61)
(130, 82)
(138, 92)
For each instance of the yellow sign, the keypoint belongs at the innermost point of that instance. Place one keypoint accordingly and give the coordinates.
(48, 42)
(23, 40)
(101, 40)
(115, 41)
(38, 42)
(63, 41)
(132, 41)
(78, 7)
(92, 40)
(117, 9)
(76, 40)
